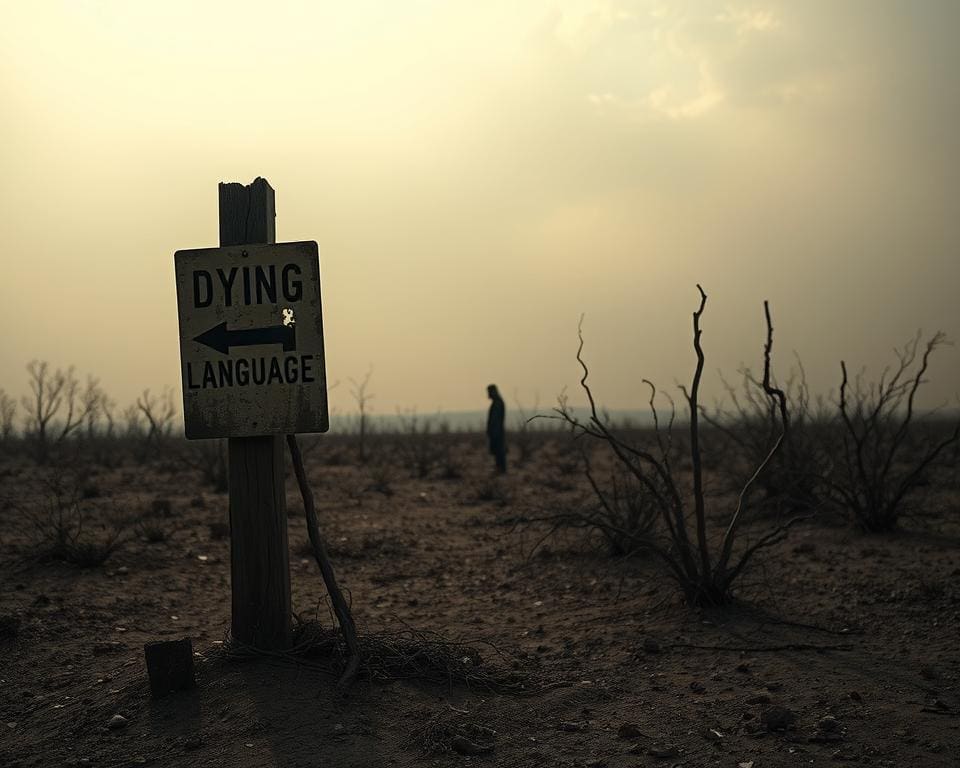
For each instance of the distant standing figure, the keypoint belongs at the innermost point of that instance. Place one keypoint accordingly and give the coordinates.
(496, 433)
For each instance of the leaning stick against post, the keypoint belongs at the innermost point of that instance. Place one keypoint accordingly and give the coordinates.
(340, 607)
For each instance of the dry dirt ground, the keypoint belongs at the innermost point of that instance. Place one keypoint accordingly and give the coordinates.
(857, 636)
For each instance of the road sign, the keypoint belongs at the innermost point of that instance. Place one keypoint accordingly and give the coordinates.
(251, 340)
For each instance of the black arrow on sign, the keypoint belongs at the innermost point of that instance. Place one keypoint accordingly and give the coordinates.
(220, 339)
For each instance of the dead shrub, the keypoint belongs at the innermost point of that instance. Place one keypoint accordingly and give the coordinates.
(705, 570)
(152, 531)
(381, 478)
(491, 490)
(57, 407)
(744, 431)
(70, 530)
(883, 457)
(625, 513)
(210, 456)
(417, 444)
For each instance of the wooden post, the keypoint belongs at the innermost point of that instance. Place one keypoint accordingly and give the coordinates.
(259, 556)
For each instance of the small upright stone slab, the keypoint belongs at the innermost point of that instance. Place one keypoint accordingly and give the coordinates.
(169, 666)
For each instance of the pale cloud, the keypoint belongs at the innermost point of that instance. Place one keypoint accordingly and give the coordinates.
(652, 60)
(708, 96)
(750, 20)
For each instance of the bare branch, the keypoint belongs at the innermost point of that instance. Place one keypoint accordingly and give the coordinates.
(695, 455)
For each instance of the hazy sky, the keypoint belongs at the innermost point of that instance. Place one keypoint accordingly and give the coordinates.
(478, 174)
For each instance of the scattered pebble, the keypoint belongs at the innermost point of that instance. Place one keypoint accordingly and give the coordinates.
(663, 751)
(106, 646)
(630, 731)
(777, 718)
(117, 721)
(828, 724)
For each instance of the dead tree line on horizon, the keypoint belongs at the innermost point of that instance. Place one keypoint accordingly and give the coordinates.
(60, 410)
(866, 452)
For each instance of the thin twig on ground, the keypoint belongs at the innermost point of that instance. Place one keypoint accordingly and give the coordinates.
(340, 606)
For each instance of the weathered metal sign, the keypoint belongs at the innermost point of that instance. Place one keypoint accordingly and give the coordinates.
(251, 340)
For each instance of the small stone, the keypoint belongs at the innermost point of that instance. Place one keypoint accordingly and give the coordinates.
(777, 718)
(650, 645)
(117, 721)
(102, 647)
(828, 724)
(743, 667)
(123, 570)
(572, 727)
(697, 687)
(713, 734)
(630, 731)
(193, 741)
(663, 751)
(855, 696)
